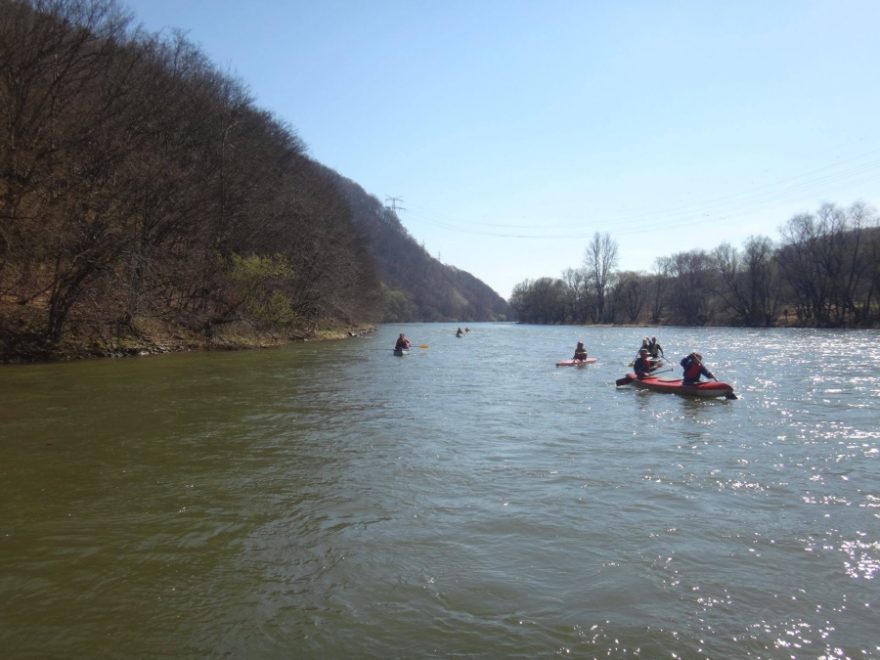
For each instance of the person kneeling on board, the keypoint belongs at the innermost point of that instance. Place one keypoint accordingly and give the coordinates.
(580, 353)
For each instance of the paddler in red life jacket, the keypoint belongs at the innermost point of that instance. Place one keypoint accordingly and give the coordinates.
(402, 343)
(580, 353)
(693, 369)
(643, 365)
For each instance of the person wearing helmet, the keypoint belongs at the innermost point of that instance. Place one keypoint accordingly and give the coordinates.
(580, 353)
(643, 364)
(693, 369)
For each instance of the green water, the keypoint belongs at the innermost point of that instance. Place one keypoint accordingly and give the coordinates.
(470, 499)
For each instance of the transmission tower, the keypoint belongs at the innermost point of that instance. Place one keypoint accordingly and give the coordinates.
(393, 204)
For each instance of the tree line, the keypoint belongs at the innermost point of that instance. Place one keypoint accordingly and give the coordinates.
(823, 272)
(140, 188)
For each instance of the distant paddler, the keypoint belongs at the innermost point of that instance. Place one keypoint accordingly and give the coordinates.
(402, 346)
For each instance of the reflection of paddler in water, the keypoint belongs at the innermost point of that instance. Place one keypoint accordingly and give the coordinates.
(458, 333)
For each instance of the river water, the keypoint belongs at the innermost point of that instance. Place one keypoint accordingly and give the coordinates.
(468, 500)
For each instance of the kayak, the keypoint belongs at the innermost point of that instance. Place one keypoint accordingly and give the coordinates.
(575, 363)
(708, 388)
(400, 352)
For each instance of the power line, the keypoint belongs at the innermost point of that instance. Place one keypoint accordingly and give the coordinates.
(727, 206)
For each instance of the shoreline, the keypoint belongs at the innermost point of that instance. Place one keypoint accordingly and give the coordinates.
(147, 344)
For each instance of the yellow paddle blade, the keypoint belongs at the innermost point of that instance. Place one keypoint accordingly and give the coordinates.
(423, 346)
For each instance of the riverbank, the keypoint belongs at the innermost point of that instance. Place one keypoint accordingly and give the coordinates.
(146, 337)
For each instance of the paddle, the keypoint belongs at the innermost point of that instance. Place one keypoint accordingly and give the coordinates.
(423, 346)
(626, 380)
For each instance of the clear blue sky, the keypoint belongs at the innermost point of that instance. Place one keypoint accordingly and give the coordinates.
(514, 130)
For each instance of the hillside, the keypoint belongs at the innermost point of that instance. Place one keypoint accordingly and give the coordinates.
(416, 286)
(147, 203)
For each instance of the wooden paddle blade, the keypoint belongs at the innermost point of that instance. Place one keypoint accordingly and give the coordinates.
(423, 346)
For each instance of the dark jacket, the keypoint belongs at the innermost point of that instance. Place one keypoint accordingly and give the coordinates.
(643, 366)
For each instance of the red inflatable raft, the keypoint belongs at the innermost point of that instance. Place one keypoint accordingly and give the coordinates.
(712, 388)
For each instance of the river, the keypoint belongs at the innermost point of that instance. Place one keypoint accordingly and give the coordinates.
(467, 500)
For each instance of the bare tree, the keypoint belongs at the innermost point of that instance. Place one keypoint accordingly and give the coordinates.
(631, 293)
(659, 286)
(747, 281)
(693, 287)
(761, 280)
(575, 292)
(826, 262)
(599, 262)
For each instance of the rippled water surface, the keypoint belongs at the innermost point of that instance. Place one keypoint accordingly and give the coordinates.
(470, 499)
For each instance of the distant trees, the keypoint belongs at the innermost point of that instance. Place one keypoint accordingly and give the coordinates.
(749, 282)
(539, 301)
(581, 295)
(825, 272)
(829, 263)
(575, 292)
(631, 293)
(693, 283)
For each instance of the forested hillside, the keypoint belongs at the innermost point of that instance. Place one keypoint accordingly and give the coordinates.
(416, 286)
(145, 198)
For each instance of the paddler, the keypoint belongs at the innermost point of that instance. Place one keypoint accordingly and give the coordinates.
(693, 369)
(402, 344)
(580, 353)
(655, 349)
(643, 364)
